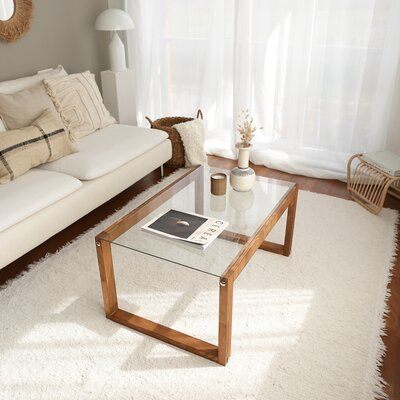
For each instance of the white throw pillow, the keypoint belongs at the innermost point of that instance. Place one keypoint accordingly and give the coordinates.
(26, 82)
(192, 134)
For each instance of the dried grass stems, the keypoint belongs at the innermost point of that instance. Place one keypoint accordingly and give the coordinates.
(246, 129)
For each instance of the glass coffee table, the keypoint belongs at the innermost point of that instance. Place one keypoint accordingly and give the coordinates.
(251, 216)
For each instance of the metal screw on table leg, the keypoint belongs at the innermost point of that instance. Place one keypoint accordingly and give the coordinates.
(222, 282)
(98, 244)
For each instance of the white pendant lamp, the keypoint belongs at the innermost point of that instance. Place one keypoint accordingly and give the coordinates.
(114, 19)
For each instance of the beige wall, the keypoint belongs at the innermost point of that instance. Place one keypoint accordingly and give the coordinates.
(61, 32)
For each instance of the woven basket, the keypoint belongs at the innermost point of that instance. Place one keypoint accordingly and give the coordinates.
(166, 124)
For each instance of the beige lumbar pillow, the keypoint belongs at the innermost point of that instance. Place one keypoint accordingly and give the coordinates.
(79, 102)
(22, 149)
(20, 109)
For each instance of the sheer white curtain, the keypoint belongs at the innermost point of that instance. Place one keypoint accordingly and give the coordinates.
(317, 75)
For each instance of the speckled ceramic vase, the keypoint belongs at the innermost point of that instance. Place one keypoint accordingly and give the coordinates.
(242, 177)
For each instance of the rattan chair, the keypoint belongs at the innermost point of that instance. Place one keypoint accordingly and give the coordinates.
(368, 185)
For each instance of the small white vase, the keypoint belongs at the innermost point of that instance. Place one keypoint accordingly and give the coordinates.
(242, 177)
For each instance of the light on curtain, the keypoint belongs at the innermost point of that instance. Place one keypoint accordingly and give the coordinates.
(317, 75)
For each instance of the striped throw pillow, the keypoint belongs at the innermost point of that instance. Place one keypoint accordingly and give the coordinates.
(22, 149)
(78, 100)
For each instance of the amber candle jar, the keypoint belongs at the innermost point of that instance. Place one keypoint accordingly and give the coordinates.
(218, 184)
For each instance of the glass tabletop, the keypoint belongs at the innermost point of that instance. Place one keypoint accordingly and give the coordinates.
(245, 212)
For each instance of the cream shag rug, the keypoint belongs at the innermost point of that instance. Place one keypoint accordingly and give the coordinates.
(305, 327)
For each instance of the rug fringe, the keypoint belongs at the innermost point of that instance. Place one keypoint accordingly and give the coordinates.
(381, 386)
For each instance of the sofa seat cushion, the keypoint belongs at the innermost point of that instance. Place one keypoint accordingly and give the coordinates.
(106, 150)
(31, 192)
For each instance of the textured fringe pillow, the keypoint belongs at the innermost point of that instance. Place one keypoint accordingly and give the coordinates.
(78, 100)
(20, 109)
(192, 134)
(22, 149)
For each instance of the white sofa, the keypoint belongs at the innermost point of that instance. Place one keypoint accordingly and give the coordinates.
(48, 198)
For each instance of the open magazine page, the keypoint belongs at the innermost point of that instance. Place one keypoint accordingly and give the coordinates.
(192, 228)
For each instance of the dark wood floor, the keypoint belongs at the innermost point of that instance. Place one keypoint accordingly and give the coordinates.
(391, 365)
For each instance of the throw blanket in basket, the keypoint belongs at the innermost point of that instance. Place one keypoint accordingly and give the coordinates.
(192, 134)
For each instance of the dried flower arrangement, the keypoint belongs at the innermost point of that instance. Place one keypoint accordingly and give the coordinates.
(246, 129)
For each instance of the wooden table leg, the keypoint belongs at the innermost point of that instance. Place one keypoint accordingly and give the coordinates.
(266, 245)
(106, 269)
(225, 320)
(140, 324)
(291, 216)
(199, 193)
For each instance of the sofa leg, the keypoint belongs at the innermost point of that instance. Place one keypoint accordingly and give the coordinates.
(162, 171)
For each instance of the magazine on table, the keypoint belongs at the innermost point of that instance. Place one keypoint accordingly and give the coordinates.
(194, 229)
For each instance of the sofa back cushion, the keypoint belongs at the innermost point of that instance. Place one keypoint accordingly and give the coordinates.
(22, 149)
(78, 100)
(20, 109)
(26, 82)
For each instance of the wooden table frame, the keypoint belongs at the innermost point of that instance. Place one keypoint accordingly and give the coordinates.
(220, 353)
